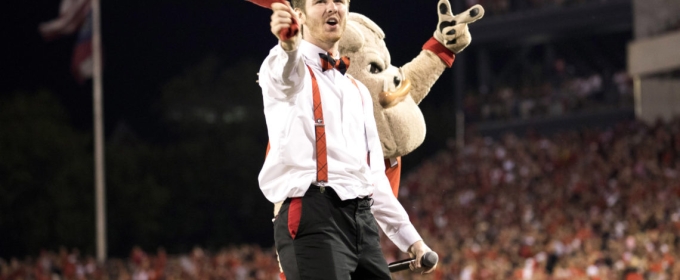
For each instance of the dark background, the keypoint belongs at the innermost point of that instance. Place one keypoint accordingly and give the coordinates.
(147, 43)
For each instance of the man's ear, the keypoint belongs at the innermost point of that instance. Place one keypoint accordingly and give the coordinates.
(300, 16)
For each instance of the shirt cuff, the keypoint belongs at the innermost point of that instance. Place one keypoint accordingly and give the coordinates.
(446, 55)
(291, 53)
(405, 237)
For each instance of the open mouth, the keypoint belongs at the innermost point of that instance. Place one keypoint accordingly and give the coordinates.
(332, 22)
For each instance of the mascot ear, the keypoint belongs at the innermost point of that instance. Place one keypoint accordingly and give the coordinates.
(368, 23)
(352, 40)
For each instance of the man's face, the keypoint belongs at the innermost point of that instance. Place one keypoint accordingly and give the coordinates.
(324, 20)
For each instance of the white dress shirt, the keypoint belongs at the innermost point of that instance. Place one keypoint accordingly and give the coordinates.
(351, 133)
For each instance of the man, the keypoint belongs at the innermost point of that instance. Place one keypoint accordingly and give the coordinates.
(325, 160)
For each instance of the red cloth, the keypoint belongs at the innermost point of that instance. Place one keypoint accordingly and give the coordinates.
(634, 276)
(294, 214)
(393, 175)
(446, 55)
(285, 34)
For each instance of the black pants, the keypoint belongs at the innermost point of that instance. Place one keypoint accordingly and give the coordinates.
(319, 236)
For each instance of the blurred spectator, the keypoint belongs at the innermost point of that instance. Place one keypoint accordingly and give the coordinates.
(501, 7)
(591, 204)
(579, 205)
(563, 93)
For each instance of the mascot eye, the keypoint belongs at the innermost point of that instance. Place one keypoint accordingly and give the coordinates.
(374, 68)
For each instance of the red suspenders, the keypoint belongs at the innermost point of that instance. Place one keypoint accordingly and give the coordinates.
(320, 132)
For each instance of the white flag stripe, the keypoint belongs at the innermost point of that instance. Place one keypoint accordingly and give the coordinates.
(85, 69)
(72, 14)
(66, 5)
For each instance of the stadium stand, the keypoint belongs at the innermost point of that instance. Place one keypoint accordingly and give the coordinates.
(590, 204)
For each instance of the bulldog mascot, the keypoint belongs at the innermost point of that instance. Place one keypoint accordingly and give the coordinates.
(397, 91)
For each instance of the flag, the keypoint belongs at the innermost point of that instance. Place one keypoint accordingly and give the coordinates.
(72, 14)
(82, 63)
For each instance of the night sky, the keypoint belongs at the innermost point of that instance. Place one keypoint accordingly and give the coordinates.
(146, 43)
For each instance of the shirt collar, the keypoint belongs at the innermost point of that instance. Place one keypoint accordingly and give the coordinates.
(311, 52)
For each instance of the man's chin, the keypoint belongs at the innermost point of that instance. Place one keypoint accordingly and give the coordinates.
(333, 36)
(334, 39)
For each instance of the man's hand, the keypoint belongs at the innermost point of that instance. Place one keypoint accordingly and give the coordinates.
(417, 250)
(282, 18)
(452, 31)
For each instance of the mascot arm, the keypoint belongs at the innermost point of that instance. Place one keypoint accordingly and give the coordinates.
(447, 56)
(450, 37)
(424, 71)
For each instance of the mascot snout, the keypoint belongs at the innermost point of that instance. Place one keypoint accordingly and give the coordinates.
(390, 98)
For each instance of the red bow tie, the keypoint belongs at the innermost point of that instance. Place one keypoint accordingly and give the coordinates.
(328, 62)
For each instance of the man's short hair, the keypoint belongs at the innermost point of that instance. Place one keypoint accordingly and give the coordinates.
(299, 4)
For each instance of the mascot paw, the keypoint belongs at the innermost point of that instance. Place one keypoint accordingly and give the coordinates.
(452, 31)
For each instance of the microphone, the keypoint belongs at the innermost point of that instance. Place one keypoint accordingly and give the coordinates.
(428, 261)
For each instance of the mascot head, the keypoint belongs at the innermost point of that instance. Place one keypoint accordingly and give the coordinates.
(400, 122)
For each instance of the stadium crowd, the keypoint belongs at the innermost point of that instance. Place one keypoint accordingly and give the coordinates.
(233, 263)
(561, 92)
(501, 7)
(589, 204)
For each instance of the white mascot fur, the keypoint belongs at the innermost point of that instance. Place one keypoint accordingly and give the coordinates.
(397, 91)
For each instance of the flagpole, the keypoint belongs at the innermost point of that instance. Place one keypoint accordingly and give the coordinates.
(98, 115)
